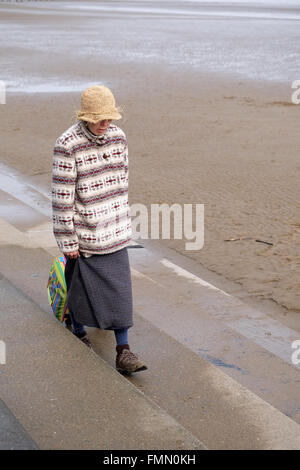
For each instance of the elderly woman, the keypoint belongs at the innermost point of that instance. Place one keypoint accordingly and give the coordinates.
(91, 222)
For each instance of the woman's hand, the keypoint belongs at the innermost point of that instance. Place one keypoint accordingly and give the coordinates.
(72, 254)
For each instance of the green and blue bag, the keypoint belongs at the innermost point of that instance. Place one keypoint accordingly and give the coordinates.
(57, 289)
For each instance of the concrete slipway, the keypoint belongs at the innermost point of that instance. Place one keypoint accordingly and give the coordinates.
(220, 372)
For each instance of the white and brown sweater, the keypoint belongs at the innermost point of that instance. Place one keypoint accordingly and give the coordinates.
(90, 191)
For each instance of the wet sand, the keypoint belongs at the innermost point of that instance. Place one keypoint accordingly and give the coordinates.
(194, 137)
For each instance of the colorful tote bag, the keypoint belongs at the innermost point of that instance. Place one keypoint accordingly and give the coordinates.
(57, 289)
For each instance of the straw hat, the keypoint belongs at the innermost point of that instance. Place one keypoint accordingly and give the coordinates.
(98, 103)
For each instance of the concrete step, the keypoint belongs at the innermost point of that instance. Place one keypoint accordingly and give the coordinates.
(66, 396)
(12, 435)
(242, 340)
(213, 407)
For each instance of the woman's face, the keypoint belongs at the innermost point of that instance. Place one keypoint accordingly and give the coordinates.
(100, 127)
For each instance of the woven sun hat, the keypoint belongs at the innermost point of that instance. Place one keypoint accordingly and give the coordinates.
(98, 103)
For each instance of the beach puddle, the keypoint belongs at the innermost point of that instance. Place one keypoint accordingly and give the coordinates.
(21, 216)
(33, 85)
(22, 204)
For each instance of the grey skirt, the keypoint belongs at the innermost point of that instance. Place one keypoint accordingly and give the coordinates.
(100, 291)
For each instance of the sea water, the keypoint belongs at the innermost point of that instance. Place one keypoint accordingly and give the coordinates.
(256, 40)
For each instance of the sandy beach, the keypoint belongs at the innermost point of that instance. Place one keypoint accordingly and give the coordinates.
(226, 141)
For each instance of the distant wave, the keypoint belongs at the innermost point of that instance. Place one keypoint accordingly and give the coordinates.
(271, 9)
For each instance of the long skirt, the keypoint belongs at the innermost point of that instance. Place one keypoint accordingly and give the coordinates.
(99, 290)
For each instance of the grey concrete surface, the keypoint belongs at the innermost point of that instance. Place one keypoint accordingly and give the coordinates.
(12, 435)
(69, 397)
(218, 410)
(66, 396)
(205, 321)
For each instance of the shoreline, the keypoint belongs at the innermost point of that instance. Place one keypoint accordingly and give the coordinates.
(280, 88)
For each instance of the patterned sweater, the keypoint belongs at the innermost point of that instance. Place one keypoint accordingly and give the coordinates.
(90, 191)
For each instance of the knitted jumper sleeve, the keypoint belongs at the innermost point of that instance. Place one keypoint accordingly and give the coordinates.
(64, 176)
